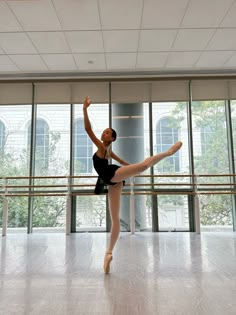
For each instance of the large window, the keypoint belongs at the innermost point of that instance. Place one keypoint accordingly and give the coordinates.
(211, 156)
(142, 129)
(14, 158)
(51, 159)
(169, 126)
(83, 148)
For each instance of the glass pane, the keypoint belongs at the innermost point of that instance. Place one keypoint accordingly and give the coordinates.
(169, 126)
(90, 213)
(233, 111)
(52, 149)
(14, 158)
(211, 158)
(17, 214)
(173, 213)
(216, 213)
(53, 137)
(49, 214)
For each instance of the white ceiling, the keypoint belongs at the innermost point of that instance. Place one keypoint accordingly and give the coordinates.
(97, 37)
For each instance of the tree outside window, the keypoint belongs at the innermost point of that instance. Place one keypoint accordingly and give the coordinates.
(42, 144)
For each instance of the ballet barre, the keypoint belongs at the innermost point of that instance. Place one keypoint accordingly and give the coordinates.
(68, 190)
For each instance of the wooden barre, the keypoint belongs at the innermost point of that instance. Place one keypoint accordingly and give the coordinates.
(123, 193)
(127, 185)
(138, 176)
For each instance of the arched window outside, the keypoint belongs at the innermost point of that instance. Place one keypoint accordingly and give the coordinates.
(42, 144)
(2, 136)
(166, 136)
(83, 148)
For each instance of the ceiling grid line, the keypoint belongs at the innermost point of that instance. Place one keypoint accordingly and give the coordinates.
(139, 31)
(101, 27)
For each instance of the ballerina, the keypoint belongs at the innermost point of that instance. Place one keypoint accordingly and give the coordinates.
(114, 175)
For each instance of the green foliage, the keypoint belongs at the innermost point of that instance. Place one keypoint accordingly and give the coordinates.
(213, 158)
(47, 211)
(216, 210)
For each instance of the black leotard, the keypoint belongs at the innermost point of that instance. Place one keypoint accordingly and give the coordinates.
(105, 171)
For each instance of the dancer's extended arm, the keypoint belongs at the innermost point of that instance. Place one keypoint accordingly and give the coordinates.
(87, 125)
(118, 159)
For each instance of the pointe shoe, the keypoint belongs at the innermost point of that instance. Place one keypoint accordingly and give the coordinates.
(107, 261)
(175, 147)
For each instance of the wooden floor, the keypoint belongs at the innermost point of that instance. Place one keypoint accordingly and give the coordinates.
(151, 273)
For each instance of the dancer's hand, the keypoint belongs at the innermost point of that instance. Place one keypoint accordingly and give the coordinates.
(87, 102)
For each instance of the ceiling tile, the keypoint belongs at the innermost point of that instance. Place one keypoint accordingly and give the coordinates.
(90, 62)
(60, 62)
(231, 63)
(121, 61)
(205, 13)
(125, 35)
(36, 15)
(78, 15)
(182, 59)
(223, 39)
(29, 62)
(16, 43)
(209, 59)
(85, 41)
(192, 39)
(122, 14)
(151, 60)
(8, 22)
(7, 65)
(49, 42)
(163, 13)
(121, 41)
(156, 40)
(230, 18)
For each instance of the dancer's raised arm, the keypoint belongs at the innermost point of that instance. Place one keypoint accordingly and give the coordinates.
(87, 125)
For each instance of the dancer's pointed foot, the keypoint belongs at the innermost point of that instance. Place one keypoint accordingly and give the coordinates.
(107, 261)
(175, 148)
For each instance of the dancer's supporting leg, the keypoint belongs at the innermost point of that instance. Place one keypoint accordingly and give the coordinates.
(114, 193)
(133, 169)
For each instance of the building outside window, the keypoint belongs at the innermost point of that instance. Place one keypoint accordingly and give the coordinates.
(166, 136)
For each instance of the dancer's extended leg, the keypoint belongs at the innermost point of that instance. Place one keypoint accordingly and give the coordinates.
(132, 170)
(114, 193)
